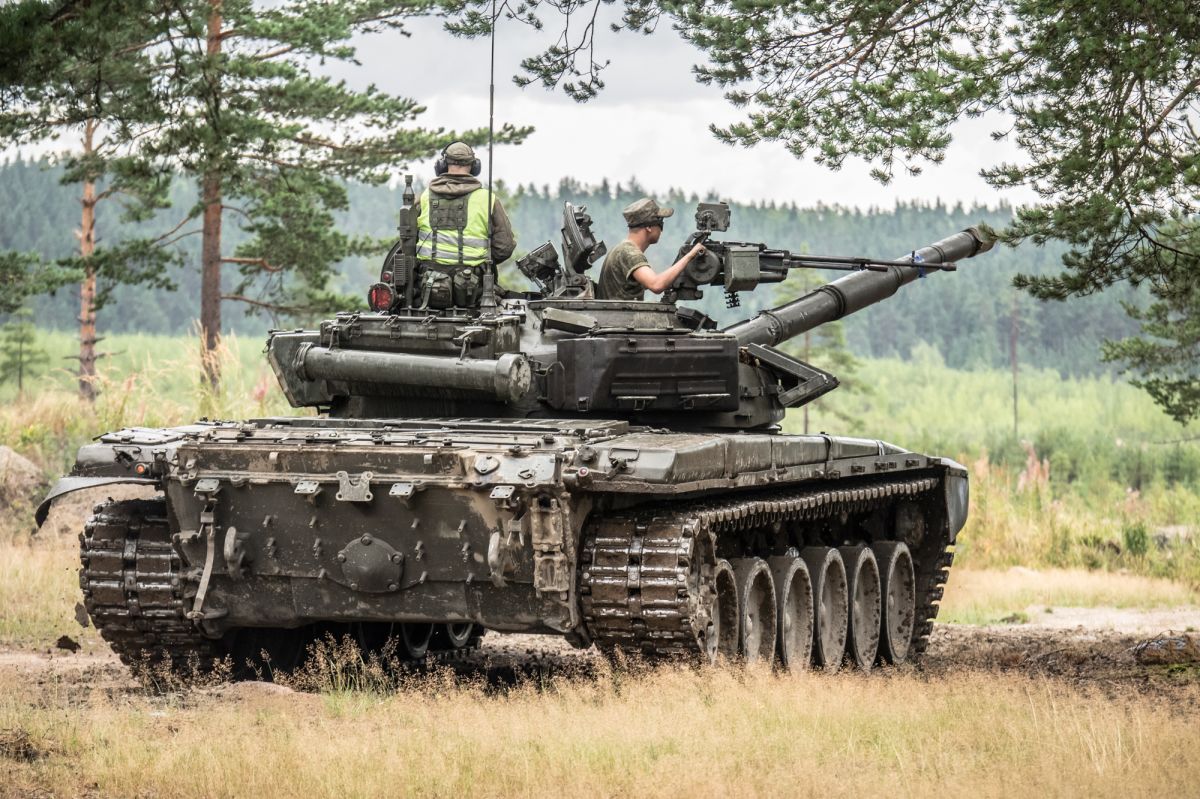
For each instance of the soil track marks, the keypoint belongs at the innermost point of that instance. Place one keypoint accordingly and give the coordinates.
(1093, 647)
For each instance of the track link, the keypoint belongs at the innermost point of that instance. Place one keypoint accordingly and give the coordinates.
(646, 576)
(647, 583)
(130, 576)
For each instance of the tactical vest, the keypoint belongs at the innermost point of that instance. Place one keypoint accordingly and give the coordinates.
(452, 231)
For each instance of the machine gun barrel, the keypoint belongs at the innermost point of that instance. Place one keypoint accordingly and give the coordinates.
(854, 292)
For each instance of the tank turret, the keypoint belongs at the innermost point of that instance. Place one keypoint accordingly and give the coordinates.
(558, 352)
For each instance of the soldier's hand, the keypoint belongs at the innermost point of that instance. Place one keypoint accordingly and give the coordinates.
(696, 252)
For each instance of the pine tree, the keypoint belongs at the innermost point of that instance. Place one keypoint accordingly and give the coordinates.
(20, 355)
(23, 275)
(1101, 97)
(235, 100)
(270, 141)
(83, 69)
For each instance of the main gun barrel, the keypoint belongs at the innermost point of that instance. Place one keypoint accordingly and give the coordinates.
(854, 292)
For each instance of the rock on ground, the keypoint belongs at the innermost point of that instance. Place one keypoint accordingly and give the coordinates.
(1169, 650)
(21, 482)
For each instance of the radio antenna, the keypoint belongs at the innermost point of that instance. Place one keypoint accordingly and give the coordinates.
(488, 301)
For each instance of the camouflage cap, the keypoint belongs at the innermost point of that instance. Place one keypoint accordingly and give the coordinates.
(645, 211)
(459, 153)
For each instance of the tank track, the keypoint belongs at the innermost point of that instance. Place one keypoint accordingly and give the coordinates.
(130, 575)
(636, 567)
(132, 589)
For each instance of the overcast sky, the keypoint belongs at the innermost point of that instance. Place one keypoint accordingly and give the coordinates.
(651, 121)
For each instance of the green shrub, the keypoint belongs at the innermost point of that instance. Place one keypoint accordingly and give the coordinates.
(1136, 539)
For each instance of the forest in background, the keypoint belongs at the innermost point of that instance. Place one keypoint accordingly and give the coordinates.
(967, 317)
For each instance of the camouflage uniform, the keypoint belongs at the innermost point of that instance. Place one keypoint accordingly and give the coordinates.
(616, 276)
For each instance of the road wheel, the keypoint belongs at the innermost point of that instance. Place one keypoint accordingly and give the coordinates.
(415, 637)
(862, 583)
(756, 596)
(830, 605)
(722, 640)
(898, 589)
(793, 612)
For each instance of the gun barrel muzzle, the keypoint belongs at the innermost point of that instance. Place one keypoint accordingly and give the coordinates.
(854, 292)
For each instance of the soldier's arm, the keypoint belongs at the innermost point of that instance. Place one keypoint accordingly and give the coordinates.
(658, 282)
(504, 243)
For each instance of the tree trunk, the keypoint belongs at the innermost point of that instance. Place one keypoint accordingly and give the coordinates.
(1012, 356)
(210, 277)
(210, 247)
(87, 289)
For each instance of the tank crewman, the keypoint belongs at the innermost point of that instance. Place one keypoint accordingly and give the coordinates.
(626, 273)
(452, 243)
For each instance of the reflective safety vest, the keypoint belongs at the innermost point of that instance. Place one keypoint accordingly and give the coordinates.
(453, 230)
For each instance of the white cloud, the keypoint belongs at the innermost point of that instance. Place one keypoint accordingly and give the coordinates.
(650, 122)
(667, 144)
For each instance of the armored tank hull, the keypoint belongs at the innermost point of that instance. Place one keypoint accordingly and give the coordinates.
(611, 472)
(702, 544)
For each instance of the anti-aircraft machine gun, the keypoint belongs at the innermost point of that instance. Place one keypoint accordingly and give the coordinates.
(611, 472)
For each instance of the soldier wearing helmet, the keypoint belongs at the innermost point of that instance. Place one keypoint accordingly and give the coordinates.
(452, 232)
(626, 274)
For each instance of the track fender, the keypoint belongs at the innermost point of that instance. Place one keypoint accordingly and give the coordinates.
(66, 485)
(958, 494)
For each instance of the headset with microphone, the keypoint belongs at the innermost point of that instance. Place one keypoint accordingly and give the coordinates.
(442, 165)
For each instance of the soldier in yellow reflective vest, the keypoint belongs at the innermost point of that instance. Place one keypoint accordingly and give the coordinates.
(452, 233)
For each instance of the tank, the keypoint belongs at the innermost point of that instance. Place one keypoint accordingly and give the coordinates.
(613, 473)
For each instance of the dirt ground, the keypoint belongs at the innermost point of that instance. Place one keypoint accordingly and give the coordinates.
(1099, 648)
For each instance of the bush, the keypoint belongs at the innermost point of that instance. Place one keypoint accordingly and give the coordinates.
(1136, 539)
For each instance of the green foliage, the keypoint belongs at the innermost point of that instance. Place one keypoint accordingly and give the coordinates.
(1164, 359)
(1101, 98)
(1135, 539)
(143, 380)
(825, 347)
(24, 275)
(20, 354)
(235, 95)
(84, 71)
(272, 139)
(965, 315)
(1091, 431)
(1018, 519)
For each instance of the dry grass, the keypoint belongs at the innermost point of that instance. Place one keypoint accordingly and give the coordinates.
(987, 596)
(156, 382)
(39, 587)
(1019, 520)
(672, 732)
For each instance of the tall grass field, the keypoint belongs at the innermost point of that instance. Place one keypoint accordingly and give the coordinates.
(668, 733)
(1093, 501)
